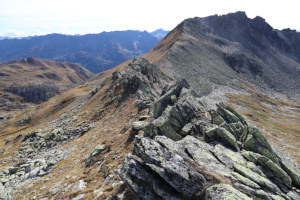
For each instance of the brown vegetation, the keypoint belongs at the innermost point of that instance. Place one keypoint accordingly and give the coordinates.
(32, 80)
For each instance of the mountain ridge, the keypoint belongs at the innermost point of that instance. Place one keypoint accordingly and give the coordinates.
(96, 52)
(147, 130)
(222, 59)
(165, 144)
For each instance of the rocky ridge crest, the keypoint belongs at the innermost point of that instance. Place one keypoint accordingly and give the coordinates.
(190, 152)
(182, 150)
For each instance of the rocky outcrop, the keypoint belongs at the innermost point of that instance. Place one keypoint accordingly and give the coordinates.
(38, 154)
(189, 152)
(22, 173)
(141, 78)
(36, 142)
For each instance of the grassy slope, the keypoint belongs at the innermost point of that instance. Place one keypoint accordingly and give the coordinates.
(111, 119)
(36, 71)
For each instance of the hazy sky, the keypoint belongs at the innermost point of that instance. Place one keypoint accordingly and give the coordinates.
(36, 17)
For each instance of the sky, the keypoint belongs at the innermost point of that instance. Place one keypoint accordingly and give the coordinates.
(39, 17)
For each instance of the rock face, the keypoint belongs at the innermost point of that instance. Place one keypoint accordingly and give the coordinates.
(189, 152)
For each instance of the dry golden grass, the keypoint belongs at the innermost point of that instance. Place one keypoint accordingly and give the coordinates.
(36, 71)
(158, 52)
(107, 131)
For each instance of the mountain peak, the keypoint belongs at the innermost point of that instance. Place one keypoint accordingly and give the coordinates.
(159, 33)
(245, 44)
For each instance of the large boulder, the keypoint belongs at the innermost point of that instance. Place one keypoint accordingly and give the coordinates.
(292, 170)
(269, 166)
(170, 166)
(220, 134)
(260, 180)
(165, 100)
(256, 142)
(143, 182)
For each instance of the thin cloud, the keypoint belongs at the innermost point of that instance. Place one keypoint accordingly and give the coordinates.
(90, 16)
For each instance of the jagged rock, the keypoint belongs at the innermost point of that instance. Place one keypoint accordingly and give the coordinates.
(222, 135)
(142, 78)
(268, 165)
(164, 100)
(173, 99)
(29, 167)
(173, 117)
(259, 193)
(1, 187)
(291, 169)
(186, 129)
(201, 152)
(34, 173)
(226, 114)
(231, 114)
(170, 156)
(143, 182)
(13, 170)
(216, 118)
(239, 130)
(196, 150)
(245, 180)
(224, 192)
(165, 125)
(227, 156)
(170, 166)
(293, 195)
(256, 142)
(264, 182)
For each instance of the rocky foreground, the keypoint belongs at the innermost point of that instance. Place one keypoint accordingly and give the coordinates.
(189, 152)
(182, 150)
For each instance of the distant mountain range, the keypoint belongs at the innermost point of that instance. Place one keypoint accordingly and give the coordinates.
(96, 52)
(159, 33)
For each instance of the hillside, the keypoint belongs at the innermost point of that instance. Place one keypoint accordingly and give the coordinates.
(164, 144)
(243, 62)
(231, 49)
(32, 80)
(96, 52)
